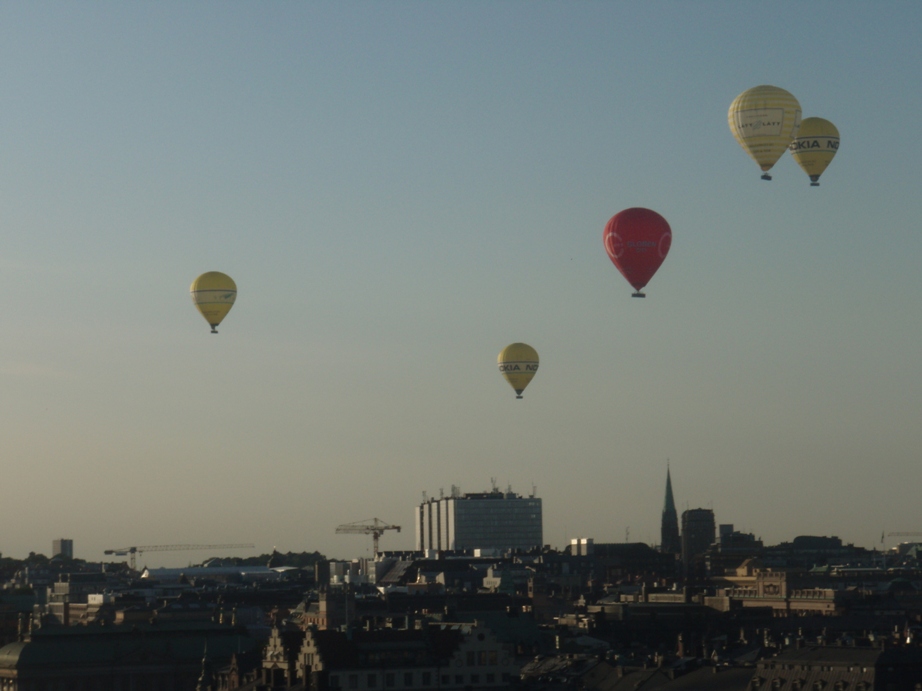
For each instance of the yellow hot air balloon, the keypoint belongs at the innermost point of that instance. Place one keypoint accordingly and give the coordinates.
(816, 143)
(213, 294)
(518, 363)
(764, 120)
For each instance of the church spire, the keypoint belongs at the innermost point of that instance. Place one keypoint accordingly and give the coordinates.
(206, 680)
(669, 529)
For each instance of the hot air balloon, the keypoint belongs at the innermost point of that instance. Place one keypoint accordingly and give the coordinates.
(637, 241)
(764, 120)
(518, 363)
(816, 143)
(213, 294)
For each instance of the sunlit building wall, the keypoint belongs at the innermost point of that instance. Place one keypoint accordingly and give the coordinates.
(490, 520)
(62, 547)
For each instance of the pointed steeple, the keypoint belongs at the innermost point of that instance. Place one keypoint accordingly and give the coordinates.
(669, 528)
(669, 505)
(206, 680)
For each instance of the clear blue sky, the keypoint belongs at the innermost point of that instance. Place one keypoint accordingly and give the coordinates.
(400, 189)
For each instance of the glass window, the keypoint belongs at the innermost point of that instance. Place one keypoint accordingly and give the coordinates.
(446, 679)
(475, 678)
(427, 678)
(470, 658)
(491, 678)
(459, 678)
(408, 678)
(389, 680)
(334, 681)
(353, 681)
(372, 681)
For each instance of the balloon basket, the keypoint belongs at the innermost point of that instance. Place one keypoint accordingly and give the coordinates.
(638, 294)
(766, 176)
(814, 184)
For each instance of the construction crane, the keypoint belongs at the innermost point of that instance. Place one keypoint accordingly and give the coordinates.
(131, 552)
(371, 526)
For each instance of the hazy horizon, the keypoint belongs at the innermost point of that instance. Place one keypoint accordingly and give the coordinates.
(400, 190)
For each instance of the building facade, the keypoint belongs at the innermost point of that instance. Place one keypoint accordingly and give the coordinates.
(489, 520)
(440, 656)
(752, 586)
(62, 547)
(698, 533)
(154, 657)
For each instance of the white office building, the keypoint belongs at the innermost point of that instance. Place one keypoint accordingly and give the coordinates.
(62, 547)
(484, 521)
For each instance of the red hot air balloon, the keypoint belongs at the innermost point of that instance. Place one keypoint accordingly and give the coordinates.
(637, 241)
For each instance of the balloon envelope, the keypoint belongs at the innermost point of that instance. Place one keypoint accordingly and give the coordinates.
(518, 363)
(213, 294)
(637, 241)
(764, 120)
(815, 145)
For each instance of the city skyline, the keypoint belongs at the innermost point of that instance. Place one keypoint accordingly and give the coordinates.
(401, 190)
(135, 555)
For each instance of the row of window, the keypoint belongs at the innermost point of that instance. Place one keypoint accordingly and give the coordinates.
(411, 679)
(807, 667)
(481, 658)
(804, 685)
